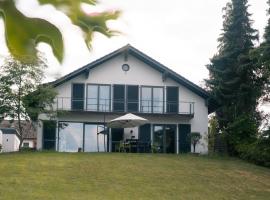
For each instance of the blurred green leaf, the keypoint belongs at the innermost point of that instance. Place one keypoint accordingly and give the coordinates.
(88, 22)
(23, 33)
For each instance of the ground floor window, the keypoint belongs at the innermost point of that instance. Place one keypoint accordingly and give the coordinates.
(26, 144)
(94, 137)
(74, 137)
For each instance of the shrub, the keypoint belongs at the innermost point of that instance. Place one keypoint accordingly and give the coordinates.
(257, 152)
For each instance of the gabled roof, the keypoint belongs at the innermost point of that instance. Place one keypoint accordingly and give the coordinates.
(146, 59)
(11, 131)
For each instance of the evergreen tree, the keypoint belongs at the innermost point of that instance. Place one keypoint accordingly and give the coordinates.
(263, 55)
(233, 78)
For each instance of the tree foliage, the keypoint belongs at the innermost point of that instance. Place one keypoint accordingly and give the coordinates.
(21, 96)
(22, 33)
(195, 138)
(236, 81)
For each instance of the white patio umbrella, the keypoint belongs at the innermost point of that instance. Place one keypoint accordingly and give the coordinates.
(127, 121)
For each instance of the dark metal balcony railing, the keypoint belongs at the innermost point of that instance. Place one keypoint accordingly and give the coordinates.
(120, 105)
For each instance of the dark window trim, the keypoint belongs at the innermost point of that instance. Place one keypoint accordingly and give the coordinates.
(178, 103)
(126, 96)
(73, 83)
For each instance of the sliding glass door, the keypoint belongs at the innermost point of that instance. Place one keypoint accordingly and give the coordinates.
(164, 139)
(95, 138)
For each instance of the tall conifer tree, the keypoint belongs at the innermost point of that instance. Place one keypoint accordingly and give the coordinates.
(263, 55)
(233, 75)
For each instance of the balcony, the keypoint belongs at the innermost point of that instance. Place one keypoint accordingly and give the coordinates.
(123, 106)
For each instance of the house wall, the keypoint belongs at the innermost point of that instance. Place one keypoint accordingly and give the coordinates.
(31, 142)
(10, 142)
(1, 136)
(140, 73)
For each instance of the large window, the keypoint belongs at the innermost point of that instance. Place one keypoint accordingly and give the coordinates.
(70, 137)
(98, 97)
(95, 139)
(152, 99)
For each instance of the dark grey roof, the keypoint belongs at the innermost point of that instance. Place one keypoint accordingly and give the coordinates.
(10, 131)
(148, 60)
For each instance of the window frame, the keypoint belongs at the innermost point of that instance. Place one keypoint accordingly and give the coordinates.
(152, 95)
(98, 96)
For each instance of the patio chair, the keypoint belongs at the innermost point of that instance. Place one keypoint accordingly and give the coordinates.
(121, 147)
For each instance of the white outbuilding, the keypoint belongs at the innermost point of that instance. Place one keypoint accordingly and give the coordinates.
(9, 139)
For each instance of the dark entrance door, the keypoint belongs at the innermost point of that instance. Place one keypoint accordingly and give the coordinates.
(49, 137)
(164, 138)
(184, 141)
(117, 136)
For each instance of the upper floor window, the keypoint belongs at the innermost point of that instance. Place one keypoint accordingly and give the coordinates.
(125, 98)
(98, 97)
(152, 99)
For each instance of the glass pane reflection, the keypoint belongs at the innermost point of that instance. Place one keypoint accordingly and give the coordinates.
(95, 142)
(70, 136)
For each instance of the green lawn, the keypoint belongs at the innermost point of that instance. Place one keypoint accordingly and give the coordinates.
(129, 176)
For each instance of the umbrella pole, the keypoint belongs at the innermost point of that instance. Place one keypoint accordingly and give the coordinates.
(104, 133)
(97, 140)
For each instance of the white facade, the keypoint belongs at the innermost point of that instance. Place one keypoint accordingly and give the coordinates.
(9, 142)
(140, 74)
(30, 143)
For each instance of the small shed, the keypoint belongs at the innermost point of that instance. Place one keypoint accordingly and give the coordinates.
(10, 139)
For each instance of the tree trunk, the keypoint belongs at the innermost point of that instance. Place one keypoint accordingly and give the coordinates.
(194, 146)
(19, 113)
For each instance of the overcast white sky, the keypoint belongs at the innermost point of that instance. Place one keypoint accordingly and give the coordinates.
(181, 34)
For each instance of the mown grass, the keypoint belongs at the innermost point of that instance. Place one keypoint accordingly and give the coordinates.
(129, 176)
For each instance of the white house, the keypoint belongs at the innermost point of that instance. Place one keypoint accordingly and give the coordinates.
(125, 81)
(9, 139)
